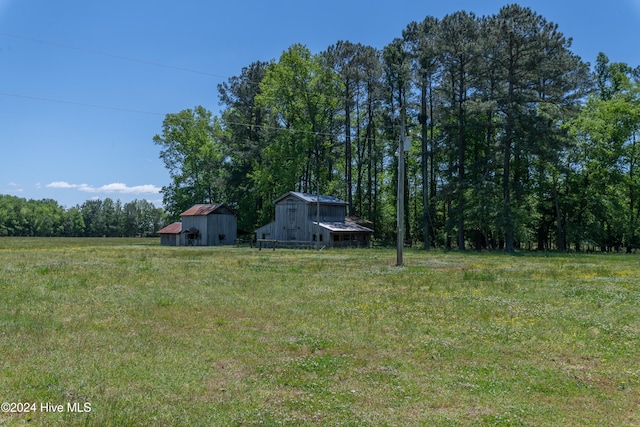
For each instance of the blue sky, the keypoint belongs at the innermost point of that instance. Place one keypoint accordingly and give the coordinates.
(85, 85)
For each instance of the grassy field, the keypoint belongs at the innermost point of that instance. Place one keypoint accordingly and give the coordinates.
(133, 333)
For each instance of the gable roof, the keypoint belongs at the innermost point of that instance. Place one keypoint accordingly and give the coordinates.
(175, 228)
(312, 198)
(207, 209)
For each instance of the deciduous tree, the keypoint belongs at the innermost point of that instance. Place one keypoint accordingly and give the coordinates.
(194, 157)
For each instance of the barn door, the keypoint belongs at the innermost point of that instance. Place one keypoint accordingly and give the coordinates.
(291, 214)
(291, 219)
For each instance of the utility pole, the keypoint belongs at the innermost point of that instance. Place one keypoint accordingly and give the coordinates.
(318, 230)
(400, 198)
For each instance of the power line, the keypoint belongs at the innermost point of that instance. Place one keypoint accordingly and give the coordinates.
(110, 55)
(130, 110)
(281, 129)
(142, 61)
(80, 104)
(96, 52)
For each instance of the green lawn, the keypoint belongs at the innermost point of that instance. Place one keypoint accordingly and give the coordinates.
(152, 335)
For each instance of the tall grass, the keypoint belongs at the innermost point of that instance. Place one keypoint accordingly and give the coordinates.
(151, 335)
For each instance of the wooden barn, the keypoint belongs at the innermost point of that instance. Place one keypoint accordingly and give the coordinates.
(303, 219)
(202, 225)
(209, 225)
(171, 235)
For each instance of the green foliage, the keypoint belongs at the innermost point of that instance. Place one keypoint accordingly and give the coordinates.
(515, 143)
(605, 159)
(299, 92)
(192, 153)
(243, 121)
(45, 218)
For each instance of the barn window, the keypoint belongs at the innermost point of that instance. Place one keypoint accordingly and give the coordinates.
(221, 237)
(193, 234)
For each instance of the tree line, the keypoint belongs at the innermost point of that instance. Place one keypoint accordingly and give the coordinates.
(516, 142)
(94, 218)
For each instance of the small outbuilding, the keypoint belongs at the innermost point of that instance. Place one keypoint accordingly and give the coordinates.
(202, 225)
(171, 235)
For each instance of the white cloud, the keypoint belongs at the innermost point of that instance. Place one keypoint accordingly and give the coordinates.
(114, 188)
(61, 184)
(119, 187)
(13, 188)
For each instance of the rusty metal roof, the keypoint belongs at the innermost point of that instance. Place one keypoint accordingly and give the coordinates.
(201, 210)
(175, 228)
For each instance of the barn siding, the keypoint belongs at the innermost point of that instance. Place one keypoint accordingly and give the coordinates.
(211, 228)
(221, 225)
(266, 231)
(221, 222)
(328, 213)
(198, 222)
(169, 239)
(311, 229)
(290, 223)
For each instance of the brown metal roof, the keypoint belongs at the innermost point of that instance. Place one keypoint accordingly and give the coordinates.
(175, 228)
(201, 210)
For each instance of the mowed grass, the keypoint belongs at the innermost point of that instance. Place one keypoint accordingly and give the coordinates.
(151, 335)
